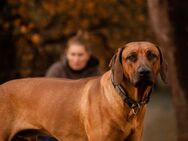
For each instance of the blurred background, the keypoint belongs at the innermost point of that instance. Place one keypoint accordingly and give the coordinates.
(34, 33)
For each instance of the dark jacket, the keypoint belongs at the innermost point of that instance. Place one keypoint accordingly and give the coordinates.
(62, 69)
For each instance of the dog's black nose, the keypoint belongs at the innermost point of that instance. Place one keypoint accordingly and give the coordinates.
(144, 71)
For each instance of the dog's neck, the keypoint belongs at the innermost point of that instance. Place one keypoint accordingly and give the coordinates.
(136, 93)
(135, 97)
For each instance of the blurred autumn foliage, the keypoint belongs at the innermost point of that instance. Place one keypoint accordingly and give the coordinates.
(34, 32)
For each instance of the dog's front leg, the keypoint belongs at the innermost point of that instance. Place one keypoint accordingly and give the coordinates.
(104, 133)
(136, 135)
(95, 134)
(104, 137)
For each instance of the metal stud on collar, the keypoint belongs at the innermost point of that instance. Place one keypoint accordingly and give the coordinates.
(136, 108)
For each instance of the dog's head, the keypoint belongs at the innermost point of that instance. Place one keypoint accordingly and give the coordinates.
(139, 63)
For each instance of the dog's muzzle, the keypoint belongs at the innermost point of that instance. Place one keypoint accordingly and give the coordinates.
(143, 76)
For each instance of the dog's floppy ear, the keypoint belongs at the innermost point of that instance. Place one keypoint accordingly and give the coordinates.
(116, 67)
(163, 67)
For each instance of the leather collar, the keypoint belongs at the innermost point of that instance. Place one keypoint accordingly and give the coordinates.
(135, 105)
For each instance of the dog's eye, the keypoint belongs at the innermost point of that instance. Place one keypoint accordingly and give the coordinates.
(151, 56)
(132, 58)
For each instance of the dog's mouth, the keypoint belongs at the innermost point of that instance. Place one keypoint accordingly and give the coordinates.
(143, 81)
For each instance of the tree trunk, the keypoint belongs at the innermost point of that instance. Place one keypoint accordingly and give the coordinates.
(169, 22)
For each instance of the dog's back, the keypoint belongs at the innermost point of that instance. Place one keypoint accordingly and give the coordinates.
(41, 103)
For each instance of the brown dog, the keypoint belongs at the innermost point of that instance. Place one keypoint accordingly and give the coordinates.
(106, 108)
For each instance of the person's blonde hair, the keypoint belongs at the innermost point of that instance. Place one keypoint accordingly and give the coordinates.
(81, 38)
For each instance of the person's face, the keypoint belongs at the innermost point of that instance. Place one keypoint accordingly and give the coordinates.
(77, 56)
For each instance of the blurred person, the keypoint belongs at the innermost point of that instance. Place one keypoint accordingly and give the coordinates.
(77, 62)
